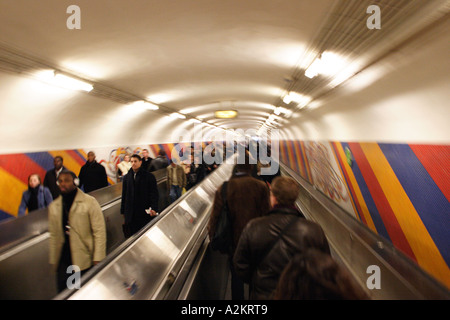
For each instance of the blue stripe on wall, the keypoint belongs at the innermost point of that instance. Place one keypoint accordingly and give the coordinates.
(43, 159)
(426, 197)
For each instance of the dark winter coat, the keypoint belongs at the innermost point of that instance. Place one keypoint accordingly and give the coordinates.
(138, 195)
(258, 237)
(160, 162)
(92, 176)
(50, 182)
(248, 198)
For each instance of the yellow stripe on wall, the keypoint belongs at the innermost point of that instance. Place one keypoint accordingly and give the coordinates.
(68, 162)
(423, 246)
(11, 190)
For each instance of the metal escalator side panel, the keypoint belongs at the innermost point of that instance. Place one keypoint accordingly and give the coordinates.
(358, 248)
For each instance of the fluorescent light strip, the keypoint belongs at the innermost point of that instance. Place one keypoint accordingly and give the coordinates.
(177, 115)
(63, 81)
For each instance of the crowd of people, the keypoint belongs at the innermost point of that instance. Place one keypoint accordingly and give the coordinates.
(76, 224)
(275, 250)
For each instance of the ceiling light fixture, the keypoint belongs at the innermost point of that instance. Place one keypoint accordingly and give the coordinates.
(277, 111)
(144, 105)
(225, 114)
(328, 63)
(300, 99)
(63, 81)
(314, 68)
(177, 115)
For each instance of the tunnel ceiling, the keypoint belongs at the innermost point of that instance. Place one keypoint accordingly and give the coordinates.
(196, 57)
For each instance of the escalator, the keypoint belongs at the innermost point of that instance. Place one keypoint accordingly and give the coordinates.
(170, 258)
(24, 269)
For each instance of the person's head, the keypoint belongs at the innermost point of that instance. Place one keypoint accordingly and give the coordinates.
(315, 275)
(91, 156)
(136, 162)
(126, 158)
(284, 191)
(144, 154)
(67, 181)
(58, 162)
(34, 180)
(161, 152)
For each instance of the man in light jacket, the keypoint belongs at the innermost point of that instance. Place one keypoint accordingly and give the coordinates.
(176, 181)
(77, 230)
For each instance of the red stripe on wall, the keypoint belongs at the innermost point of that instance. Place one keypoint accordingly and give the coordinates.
(21, 166)
(75, 156)
(436, 160)
(387, 214)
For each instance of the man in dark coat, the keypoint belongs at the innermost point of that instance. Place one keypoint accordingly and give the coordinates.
(139, 193)
(92, 175)
(267, 244)
(51, 176)
(160, 162)
(146, 160)
(247, 198)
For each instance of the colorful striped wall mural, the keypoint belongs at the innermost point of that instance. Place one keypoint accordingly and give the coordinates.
(399, 191)
(15, 169)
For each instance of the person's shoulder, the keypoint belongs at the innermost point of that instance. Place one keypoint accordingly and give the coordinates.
(147, 174)
(259, 223)
(257, 183)
(55, 203)
(84, 197)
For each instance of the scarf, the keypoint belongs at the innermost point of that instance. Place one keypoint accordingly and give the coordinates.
(33, 201)
(67, 201)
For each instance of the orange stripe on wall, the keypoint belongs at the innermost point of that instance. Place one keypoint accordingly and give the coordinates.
(68, 162)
